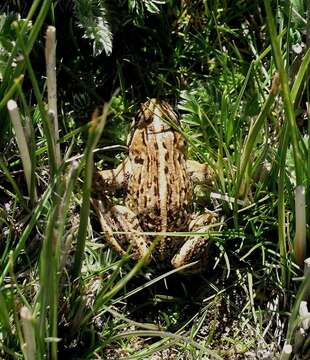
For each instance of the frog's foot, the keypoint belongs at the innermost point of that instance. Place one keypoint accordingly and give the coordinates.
(196, 247)
(122, 229)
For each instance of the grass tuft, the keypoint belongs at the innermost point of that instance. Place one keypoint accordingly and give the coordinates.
(238, 77)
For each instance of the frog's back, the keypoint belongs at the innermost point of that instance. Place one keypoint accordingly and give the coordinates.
(159, 190)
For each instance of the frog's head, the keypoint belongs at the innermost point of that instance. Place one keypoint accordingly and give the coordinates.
(156, 112)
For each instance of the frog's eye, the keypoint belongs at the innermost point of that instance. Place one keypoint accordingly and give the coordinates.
(156, 108)
(143, 118)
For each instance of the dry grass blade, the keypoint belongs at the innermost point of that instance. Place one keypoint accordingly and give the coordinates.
(300, 243)
(50, 56)
(21, 140)
(29, 345)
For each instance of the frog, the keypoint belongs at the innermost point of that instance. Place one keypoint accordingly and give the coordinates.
(159, 182)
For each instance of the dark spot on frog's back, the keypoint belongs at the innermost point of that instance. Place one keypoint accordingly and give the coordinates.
(139, 160)
(167, 156)
(166, 170)
(155, 146)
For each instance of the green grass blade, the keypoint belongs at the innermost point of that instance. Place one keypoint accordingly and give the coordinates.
(252, 139)
(288, 104)
(11, 180)
(164, 334)
(95, 131)
(4, 313)
(9, 74)
(50, 258)
(25, 234)
(9, 93)
(302, 71)
(45, 121)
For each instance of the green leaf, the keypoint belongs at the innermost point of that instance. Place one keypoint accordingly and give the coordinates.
(92, 18)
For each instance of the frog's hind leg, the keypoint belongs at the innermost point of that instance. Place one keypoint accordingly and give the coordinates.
(196, 247)
(122, 229)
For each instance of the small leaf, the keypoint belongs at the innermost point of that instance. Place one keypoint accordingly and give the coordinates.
(151, 5)
(92, 18)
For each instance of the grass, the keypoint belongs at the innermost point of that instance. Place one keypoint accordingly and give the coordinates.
(241, 99)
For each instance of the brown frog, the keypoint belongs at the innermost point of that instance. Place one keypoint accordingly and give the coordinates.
(159, 182)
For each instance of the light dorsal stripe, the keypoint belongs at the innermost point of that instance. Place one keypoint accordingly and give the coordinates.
(162, 179)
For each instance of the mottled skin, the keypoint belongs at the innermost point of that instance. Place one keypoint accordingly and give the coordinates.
(159, 183)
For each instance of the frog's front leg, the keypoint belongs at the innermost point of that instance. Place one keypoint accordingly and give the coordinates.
(196, 247)
(121, 229)
(199, 173)
(112, 179)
